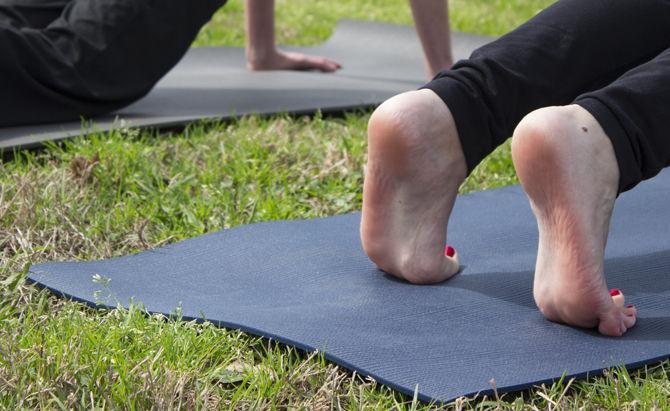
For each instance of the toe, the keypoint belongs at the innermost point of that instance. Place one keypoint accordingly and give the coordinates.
(629, 316)
(617, 297)
(629, 312)
(612, 324)
(426, 269)
(452, 264)
(618, 319)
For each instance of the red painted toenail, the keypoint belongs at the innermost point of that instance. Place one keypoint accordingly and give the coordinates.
(449, 251)
(630, 306)
(614, 291)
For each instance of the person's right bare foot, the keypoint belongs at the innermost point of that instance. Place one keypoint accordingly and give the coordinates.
(415, 167)
(567, 166)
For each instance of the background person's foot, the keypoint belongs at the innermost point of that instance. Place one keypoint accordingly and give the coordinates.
(415, 167)
(567, 166)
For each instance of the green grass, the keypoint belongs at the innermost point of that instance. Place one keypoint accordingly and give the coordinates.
(122, 192)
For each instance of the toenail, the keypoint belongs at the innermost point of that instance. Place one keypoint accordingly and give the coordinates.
(614, 292)
(630, 306)
(449, 251)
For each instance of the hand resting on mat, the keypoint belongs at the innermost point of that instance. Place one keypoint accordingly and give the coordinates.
(431, 19)
(262, 53)
(281, 60)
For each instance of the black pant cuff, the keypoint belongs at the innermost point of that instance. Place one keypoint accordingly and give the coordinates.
(466, 106)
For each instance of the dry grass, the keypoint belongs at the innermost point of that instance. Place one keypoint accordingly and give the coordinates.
(122, 192)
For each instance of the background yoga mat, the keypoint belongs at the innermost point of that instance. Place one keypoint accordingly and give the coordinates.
(379, 60)
(308, 284)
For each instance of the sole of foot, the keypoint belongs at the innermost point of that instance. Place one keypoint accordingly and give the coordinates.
(567, 166)
(415, 168)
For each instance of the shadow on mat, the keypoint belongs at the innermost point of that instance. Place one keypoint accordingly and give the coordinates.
(644, 279)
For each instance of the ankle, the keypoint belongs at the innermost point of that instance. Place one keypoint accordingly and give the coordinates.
(417, 126)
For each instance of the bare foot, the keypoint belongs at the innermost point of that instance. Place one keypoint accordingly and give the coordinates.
(567, 166)
(415, 167)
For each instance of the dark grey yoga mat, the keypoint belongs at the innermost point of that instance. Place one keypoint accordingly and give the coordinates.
(379, 60)
(308, 284)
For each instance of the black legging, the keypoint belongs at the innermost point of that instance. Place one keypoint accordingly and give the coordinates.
(63, 59)
(611, 57)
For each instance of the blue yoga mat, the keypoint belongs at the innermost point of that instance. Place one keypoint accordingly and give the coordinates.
(308, 284)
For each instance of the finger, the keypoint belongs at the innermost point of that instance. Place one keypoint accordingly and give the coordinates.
(319, 63)
(335, 63)
(330, 65)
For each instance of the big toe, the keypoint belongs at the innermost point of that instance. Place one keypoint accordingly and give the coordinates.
(428, 270)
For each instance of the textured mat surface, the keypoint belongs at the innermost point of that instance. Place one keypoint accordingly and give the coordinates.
(379, 60)
(308, 284)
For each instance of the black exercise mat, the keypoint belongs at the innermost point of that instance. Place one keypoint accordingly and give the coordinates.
(379, 60)
(308, 284)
